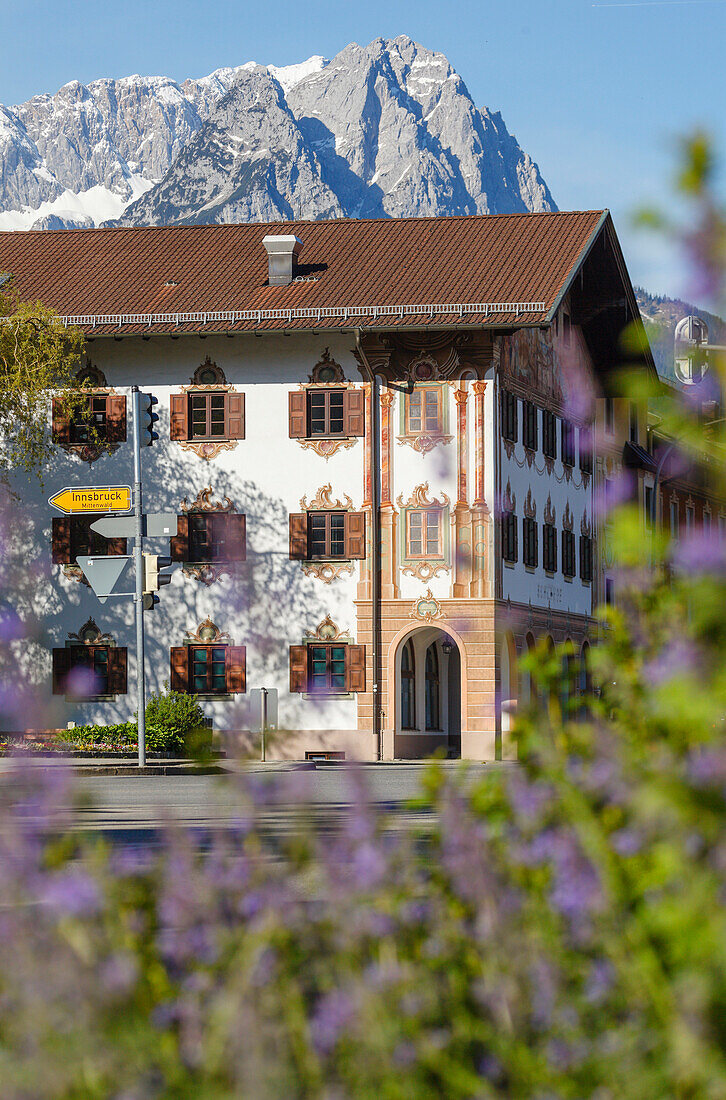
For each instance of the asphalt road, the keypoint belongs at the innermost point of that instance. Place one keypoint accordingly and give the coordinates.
(134, 810)
(205, 800)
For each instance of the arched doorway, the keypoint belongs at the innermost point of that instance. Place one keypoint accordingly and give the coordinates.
(427, 697)
(508, 696)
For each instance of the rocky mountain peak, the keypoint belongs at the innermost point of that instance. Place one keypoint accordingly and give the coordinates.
(383, 130)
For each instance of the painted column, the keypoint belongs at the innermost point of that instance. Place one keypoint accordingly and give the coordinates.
(364, 582)
(480, 516)
(461, 518)
(389, 587)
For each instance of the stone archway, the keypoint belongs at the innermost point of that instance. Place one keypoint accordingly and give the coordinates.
(426, 693)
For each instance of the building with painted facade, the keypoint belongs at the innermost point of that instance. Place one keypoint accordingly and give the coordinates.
(379, 442)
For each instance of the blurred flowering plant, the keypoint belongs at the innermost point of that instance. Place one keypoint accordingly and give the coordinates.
(555, 929)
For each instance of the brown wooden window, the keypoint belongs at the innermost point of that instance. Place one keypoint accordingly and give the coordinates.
(530, 425)
(323, 535)
(586, 450)
(72, 535)
(549, 434)
(97, 418)
(321, 413)
(209, 537)
(530, 542)
(549, 555)
(509, 537)
(509, 416)
(105, 669)
(423, 533)
(423, 410)
(567, 443)
(568, 553)
(327, 668)
(209, 669)
(204, 415)
(585, 558)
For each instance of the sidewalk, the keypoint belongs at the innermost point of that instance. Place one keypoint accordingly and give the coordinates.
(128, 765)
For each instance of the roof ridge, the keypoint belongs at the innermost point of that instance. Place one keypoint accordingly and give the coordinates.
(310, 221)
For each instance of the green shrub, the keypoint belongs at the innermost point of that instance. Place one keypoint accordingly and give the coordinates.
(117, 736)
(174, 722)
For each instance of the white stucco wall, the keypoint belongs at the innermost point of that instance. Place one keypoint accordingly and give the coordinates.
(270, 604)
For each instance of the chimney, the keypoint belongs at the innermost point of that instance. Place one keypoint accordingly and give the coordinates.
(282, 253)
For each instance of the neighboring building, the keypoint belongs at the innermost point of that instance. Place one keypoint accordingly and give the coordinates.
(377, 447)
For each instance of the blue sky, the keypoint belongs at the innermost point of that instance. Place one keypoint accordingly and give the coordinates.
(596, 92)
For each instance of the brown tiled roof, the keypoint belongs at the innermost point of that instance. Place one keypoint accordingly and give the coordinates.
(519, 261)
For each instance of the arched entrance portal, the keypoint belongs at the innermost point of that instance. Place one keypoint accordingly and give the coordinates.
(427, 696)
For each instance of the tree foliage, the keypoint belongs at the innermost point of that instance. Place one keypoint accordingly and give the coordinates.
(38, 356)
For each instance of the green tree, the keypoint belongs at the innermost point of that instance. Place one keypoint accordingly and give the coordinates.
(38, 355)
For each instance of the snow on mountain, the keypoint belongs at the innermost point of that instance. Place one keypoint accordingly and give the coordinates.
(383, 130)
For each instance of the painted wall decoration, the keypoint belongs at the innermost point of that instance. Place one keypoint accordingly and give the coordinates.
(528, 356)
(419, 505)
(327, 571)
(427, 608)
(203, 503)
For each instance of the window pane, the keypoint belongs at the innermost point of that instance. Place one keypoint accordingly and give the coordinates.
(316, 534)
(217, 414)
(337, 668)
(316, 412)
(336, 412)
(337, 535)
(415, 533)
(432, 532)
(414, 411)
(198, 538)
(432, 410)
(199, 413)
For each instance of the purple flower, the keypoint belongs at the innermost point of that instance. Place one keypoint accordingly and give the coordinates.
(118, 973)
(701, 552)
(676, 659)
(82, 682)
(73, 894)
(599, 981)
(334, 1013)
(626, 842)
(613, 492)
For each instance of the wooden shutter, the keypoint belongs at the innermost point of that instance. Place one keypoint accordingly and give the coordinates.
(179, 543)
(298, 536)
(179, 416)
(298, 668)
(236, 536)
(61, 422)
(355, 415)
(117, 670)
(355, 667)
(61, 540)
(179, 680)
(515, 539)
(61, 668)
(234, 415)
(355, 534)
(235, 667)
(115, 419)
(116, 546)
(297, 406)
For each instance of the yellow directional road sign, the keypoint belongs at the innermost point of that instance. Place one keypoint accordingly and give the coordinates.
(92, 498)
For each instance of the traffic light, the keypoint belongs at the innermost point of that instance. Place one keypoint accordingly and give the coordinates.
(147, 419)
(153, 579)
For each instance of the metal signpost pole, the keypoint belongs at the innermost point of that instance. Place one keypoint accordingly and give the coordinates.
(263, 723)
(139, 571)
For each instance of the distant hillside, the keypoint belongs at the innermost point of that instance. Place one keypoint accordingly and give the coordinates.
(661, 315)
